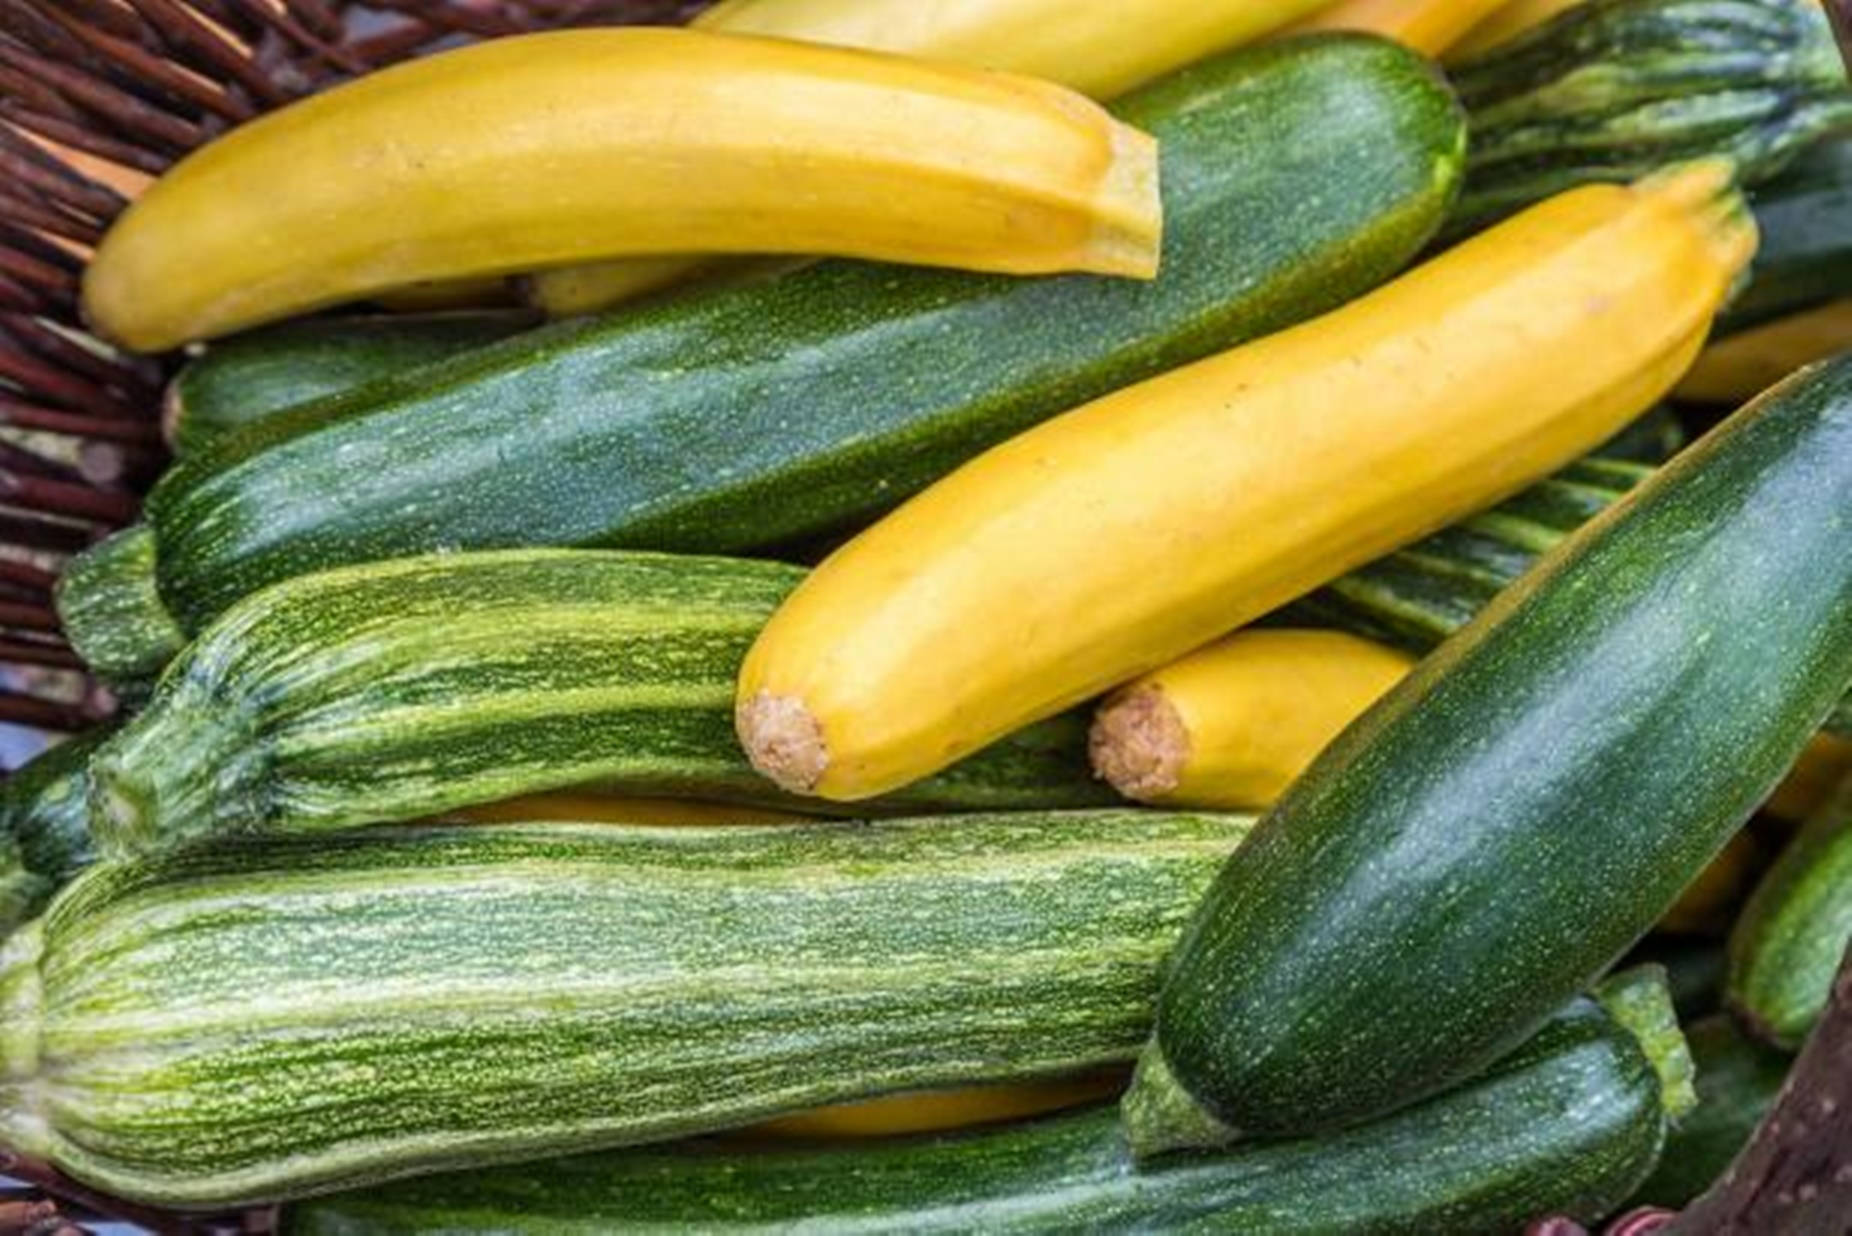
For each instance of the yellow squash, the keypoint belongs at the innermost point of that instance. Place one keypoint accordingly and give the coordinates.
(1117, 537)
(1745, 364)
(1428, 26)
(547, 149)
(1506, 22)
(1101, 48)
(1234, 723)
(930, 1111)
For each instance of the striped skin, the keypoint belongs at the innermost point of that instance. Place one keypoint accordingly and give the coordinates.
(408, 688)
(44, 827)
(1611, 90)
(237, 1023)
(1566, 1125)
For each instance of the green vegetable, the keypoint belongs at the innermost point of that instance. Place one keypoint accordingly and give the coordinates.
(1528, 801)
(1295, 177)
(1611, 90)
(111, 610)
(1804, 217)
(44, 827)
(1564, 1125)
(243, 1022)
(1788, 942)
(252, 376)
(1738, 1080)
(1656, 436)
(407, 688)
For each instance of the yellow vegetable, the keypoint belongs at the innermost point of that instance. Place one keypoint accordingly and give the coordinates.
(1504, 23)
(1709, 903)
(1428, 26)
(929, 1111)
(1113, 539)
(521, 153)
(1101, 48)
(1233, 724)
(1823, 765)
(588, 808)
(1745, 364)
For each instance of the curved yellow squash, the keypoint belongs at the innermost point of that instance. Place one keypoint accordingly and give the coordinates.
(522, 153)
(1115, 538)
(1428, 26)
(1101, 48)
(1234, 723)
(1743, 365)
(930, 1111)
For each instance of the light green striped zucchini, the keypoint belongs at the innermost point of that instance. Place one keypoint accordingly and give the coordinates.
(246, 1022)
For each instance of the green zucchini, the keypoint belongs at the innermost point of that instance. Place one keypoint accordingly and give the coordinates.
(1565, 1125)
(248, 377)
(45, 827)
(1791, 936)
(1804, 217)
(1295, 177)
(407, 688)
(1738, 1080)
(111, 609)
(243, 1022)
(1529, 801)
(1611, 90)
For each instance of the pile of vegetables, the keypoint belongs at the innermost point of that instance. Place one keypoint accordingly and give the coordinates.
(1006, 661)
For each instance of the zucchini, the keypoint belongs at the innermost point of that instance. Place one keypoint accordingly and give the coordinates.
(1792, 935)
(1115, 538)
(408, 688)
(1804, 216)
(1566, 1124)
(1414, 907)
(1737, 1080)
(252, 376)
(828, 393)
(111, 609)
(241, 1023)
(1739, 366)
(45, 827)
(1611, 90)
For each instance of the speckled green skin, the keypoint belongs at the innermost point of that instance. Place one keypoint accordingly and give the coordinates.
(1523, 807)
(403, 689)
(252, 376)
(111, 610)
(242, 1022)
(1804, 256)
(44, 827)
(1614, 89)
(1564, 1126)
(1294, 177)
(1738, 1080)
(1791, 936)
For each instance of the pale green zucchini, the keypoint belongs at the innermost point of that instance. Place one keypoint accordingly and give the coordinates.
(407, 688)
(243, 1022)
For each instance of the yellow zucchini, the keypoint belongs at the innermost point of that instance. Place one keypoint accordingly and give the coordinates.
(1741, 366)
(1428, 26)
(1505, 22)
(523, 153)
(1823, 765)
(1101, 48)
(931, 1111)
(1114, 538)
(1234, 723)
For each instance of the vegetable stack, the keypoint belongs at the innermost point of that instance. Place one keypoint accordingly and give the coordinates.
(1081, 627)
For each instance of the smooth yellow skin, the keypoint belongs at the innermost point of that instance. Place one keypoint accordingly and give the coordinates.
(1823, 765)
(523, 153)
(1428, 26)
(930, 1111)
(1745, 364)
(1708, 904)
(1117, 537)
(584, 808)
(1506, 22)
(1259, 705)
(1101, 48)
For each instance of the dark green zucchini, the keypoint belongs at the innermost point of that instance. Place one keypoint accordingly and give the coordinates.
(248, 377)
(240, 1023)
(45, 826)
(1738, 1080)
(1611, 90)
(111, 609)
(1529, 801)
(1804, 218)
(1295, 177)
(1564, 1125)
(1791, 936)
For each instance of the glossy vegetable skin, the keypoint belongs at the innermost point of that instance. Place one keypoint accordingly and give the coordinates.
(397, 1001)
(1405, 904)
(1113, 539)
(1566, 1125)
(831, 397)
(519, 153)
